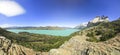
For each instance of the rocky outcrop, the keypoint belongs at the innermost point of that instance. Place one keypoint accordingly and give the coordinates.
(97, 20)
(100, 19)
(9, 48)
(79, 46)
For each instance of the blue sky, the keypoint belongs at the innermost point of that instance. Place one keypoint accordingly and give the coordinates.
(61, 12)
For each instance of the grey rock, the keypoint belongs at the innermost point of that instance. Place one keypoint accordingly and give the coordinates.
(97, 20)
(9, 48)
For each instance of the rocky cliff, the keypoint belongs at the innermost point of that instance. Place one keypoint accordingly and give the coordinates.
(97, 20)
(79, 46)
(100, 19)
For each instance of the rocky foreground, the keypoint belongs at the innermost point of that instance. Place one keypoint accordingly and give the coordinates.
(9, 48)
(79, 46)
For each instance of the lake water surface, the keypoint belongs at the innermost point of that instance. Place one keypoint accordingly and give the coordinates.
(65, 32)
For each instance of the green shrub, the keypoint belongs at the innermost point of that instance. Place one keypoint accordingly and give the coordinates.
(91, 34)
(107, 36)
(92, 39)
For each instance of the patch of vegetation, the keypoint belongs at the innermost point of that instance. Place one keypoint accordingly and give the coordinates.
(92, 37)
(106, 31)
(91, 34)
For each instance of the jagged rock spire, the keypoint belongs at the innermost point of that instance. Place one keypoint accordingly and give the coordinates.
(98, 19)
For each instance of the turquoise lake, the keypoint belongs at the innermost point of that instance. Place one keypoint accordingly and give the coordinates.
(65, 32)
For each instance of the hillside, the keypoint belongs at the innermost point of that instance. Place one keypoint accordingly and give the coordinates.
(79, 46)
(104, 31)
(105, 43)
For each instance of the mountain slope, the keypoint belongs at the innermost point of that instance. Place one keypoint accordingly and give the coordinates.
(79, 44)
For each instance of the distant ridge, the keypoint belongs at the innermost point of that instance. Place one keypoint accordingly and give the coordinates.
(40, 28)
(81, 26)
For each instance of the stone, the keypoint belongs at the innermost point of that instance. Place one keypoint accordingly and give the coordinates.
(9, 48)
(97, 20)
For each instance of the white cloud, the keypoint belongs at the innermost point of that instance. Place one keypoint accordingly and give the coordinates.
(10, 8)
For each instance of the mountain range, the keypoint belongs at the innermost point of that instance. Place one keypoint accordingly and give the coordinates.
(39, 28)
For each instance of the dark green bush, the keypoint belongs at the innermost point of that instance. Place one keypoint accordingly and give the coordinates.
(91, 34)
(106, 30)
